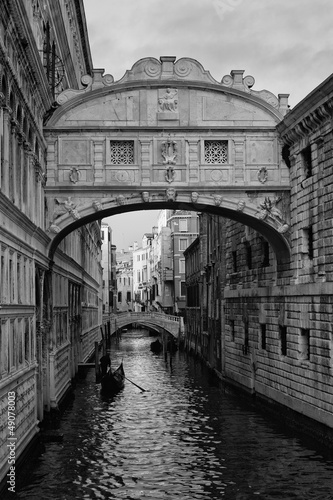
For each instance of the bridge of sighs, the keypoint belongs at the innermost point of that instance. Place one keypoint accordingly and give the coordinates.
(167, 135)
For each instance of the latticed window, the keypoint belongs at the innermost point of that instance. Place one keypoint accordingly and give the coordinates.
(216, 152)
(122, 152)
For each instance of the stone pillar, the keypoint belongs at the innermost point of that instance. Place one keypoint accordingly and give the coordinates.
(99, 177)
(193, 160)
(239, 161)
(146, 161)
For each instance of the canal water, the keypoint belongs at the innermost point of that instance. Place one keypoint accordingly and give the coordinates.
(183, 438)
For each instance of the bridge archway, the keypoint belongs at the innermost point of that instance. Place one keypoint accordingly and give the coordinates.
(167, 135)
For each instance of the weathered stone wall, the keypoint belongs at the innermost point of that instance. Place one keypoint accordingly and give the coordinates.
(278, 330)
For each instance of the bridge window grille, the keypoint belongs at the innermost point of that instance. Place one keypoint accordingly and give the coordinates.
(122, 152)
(216, 152)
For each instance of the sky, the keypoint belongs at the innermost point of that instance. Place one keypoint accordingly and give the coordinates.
(286, 45)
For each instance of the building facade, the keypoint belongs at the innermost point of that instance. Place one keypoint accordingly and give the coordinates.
(124, 278)
(274, 321)
(142, 274)
(51, 309)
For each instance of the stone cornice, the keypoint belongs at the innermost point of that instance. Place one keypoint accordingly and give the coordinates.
(309, 115)
(26, 37)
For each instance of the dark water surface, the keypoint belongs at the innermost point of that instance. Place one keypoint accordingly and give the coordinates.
(184, 438)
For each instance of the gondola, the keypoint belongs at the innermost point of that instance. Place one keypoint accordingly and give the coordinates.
(113, 382)
(156, 346)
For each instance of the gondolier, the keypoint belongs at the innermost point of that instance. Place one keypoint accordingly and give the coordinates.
(105, 363)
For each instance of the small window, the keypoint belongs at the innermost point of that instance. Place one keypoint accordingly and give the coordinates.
(216, 152)
(183, 244)
(234, 261)
(283, 339)
(246, 338)
(128, 296)
(183, 225)
(248, 250)
(119, 297)
(182, 265)
(182, 289)
(263, 336)
(265, 254)
(307, 161)
(304, 344)
(232, 330)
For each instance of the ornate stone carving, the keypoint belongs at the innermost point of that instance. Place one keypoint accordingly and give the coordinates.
(74, 175)
(263, 175)
(145, 196)
(121, 200)
(217, 199)
(168, 101)
(268, 209)
(194, 197)
(182, 68)
(65, 206)
(171, 194)
(68, 94)
(153, 68)
(169, 152)
(97, 206)
(54, 229)
(240, 205)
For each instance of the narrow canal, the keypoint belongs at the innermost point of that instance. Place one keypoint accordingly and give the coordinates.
(184, 438)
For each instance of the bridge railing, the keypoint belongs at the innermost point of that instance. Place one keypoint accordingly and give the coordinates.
(154, 315)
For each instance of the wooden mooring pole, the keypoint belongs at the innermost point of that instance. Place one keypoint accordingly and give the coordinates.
(96, 361)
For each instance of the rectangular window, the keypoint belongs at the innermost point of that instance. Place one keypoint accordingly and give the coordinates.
(182, 266)
(265, 254)
(304, 344)
(182, 244)
(283, 339)
(139, 276)
(122, 152)
(182, 289)
(26, 341)
(182, 225)
(216, 152)
(232, 330)
(234, 261)
(263, 336)
(246, 338)
(128, 296)
(307, 161)
(310, 242)
(248, 250)
(119, 297)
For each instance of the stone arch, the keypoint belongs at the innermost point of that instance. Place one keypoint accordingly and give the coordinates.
(274, 230)
(167, 142)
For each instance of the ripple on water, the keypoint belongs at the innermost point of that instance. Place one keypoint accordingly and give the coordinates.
(182, 439)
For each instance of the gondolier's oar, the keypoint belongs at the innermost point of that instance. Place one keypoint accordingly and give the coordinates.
(136, 385)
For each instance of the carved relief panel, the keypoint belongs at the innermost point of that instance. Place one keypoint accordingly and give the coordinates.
(168, 159)
(74, 161)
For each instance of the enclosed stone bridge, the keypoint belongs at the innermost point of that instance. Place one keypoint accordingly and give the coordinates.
(153, 320)
(167, 135)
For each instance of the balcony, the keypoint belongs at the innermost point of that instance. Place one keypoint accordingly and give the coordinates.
(167, 275)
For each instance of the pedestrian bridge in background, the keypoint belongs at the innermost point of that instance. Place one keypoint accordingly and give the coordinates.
(167, 135)
(152, 320)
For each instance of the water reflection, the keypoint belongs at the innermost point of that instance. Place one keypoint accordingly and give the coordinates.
(183, 438)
